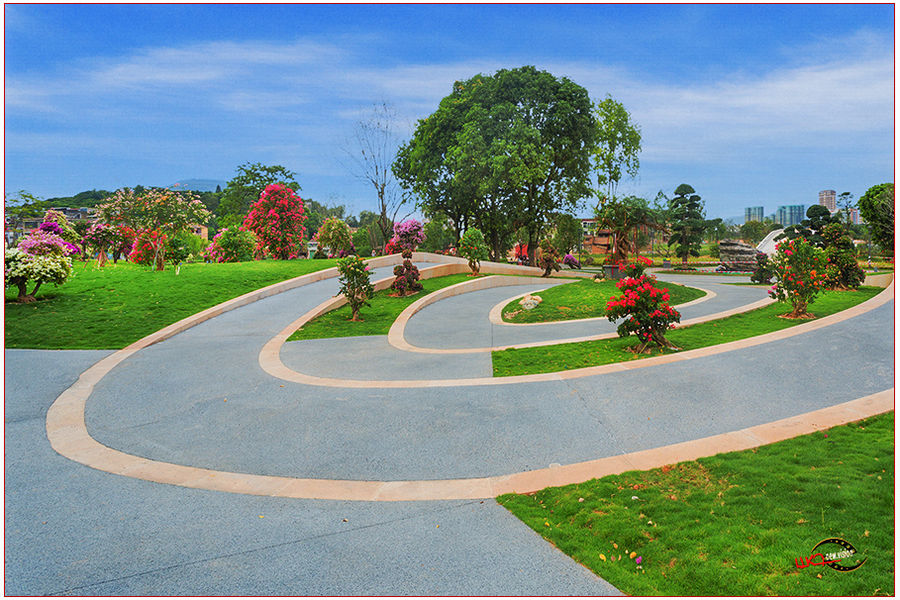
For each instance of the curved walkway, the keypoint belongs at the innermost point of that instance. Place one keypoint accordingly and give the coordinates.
(216, 420)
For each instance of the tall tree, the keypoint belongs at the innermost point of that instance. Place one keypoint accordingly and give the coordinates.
(877, 207)
(620, 143)
(373, 153)
(688, 222)
(245, 188)
(624, 218)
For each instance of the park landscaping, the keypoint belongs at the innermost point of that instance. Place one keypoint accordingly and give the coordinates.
(112, 307)
(576, 355)
(376, 319)
(734, 524)
(583, 299)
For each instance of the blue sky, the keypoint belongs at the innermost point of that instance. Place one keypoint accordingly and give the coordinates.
(750, 104)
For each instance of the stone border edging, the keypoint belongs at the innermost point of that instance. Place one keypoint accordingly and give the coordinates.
(495, 316)
(270, 359)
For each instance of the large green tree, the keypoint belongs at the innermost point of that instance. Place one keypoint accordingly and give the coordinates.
(245, 188)
(876, 206)
(625, 218)
(687, 222)
(505, 151)
(620, 143)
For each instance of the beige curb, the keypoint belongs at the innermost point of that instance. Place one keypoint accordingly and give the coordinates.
(496, 314)
(68, 435)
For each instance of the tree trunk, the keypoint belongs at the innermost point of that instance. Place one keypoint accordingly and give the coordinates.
(101, 258)
(355, 315)
(23, 293)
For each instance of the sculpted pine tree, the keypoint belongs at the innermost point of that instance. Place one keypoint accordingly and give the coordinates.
(687, 222)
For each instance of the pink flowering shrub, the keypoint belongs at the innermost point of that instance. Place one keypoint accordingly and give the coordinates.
(392, 246)
(409, 234)
(277, 221)
(645, 310)
(42, 257)
(43, 243)
(148, 247)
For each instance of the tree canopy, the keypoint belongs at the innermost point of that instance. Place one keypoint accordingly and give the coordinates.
(688, 223)
(245, 188)
(877, 207)
(620, 143)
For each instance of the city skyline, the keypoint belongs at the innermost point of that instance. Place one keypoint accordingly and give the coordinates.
(735, 108)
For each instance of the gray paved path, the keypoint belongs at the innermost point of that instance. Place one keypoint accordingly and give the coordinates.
(201, 399)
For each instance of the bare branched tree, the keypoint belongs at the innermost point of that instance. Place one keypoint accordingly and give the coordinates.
(374, 148)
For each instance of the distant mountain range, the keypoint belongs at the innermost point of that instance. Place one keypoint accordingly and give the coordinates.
(197, 185)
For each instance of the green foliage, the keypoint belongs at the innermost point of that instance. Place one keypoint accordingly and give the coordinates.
(799, 269)
(231, 244)
(688, 224)
(876, 206)
(317, 212)
(439, 234)
(183, 247)
(818, 217)
(753, 232)
(734, 524)
(473, 248)
(568, 233)
(245, 188)
(764, 271)
(620, 143)
(355, 284)
(23, 205)
(842, 271)
(361, 242)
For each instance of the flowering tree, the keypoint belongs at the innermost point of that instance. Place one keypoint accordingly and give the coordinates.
(799, 273)
(62, 227)
(335, 235)
(52, 227)
(277, 221)
(473, 248)
(101, 237)
(355, 284)
(42, 257)
(231, 245)
(124, 240)
(409, 234)
(155, 210)
(646, 311)
(392, 246)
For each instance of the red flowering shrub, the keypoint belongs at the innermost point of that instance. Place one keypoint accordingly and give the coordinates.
(407, 276)
(645, 310)
(800, 274)
(277, 220)
(634, 267)
(147, 246)
(392, 246)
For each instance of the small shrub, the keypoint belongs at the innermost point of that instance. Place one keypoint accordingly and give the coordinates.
(842, 271)
(407, 276)
(20, 267)
(800, 274)
(571, 262)
(409, 234)
(764, 271)
(473, 248)
(355, 284)
(588, 260)
(334, 234)
(231, 245)
(646, 311)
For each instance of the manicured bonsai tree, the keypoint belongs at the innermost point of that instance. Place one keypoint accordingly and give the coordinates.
(355, 284)
(799, 269)
(645, 310)
(407, 276)
(842, 272)
(549, 257)
(473, 248)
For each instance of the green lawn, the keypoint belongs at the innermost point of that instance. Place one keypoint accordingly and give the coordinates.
(583, 299)
(562, 357)
(112, 307)
(377, 319)
(734, 524)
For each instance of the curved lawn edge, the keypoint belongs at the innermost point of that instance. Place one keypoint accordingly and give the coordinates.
(496, 314)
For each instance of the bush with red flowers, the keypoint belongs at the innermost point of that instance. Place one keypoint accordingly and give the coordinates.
(634, 267)
(645, 310)
(277, 221)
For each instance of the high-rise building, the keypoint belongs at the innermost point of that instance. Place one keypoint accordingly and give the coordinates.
(753, 213)
(789, 215)
(828, 199)
(854, 215)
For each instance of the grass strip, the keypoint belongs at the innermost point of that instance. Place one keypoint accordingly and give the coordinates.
(377, 319)
(583, 299)
(576, 355)
(734, 524)
(112, 307)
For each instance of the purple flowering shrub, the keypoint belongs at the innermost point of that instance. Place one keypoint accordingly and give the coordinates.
(571, 262)
(409, 234)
